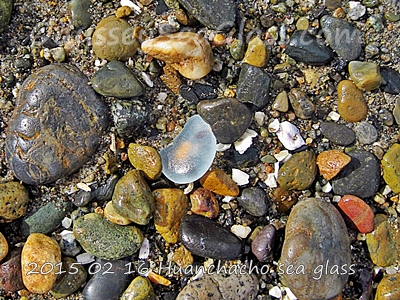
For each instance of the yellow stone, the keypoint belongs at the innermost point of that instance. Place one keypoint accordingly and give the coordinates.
(182, 257)
(113, 216)
(365, 75)
(123, 11)
(171, 206)
(14, 200)
(3, 246)
(220, 183)
(146, 159)
(39, 263)
(351, 103)
(391, 168)
(302, 23)
(139, 289)
(257, 53)
(389, 288)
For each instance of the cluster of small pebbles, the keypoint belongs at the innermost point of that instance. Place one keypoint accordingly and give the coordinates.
(196, 149)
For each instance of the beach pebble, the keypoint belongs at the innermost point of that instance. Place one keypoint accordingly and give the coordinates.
(331, 162)
(360, 177)
(316, 239)
(113, 39)
(338, 134)
(254, 200)
(191, 153)
(388, 288)
(139, 289)
(257, 54)
(203, 202)
(146, 159)
(358, 213)
(281, 102)
(132, 198)
(171, 206)
(366, 133)
(298, 172)
(263, 244)
(40, 254)
(356, 10)
(220, 183)
(187, 52)
(116, 80)
(206, 238)
(113, 217)
(14, 199)
(390, 80)
(5, 13)
(365, 75)
(81, 17)
(104, 239)
(227, 117)
(302, 105)
(351, 103)
(10, 272)
(3, 247)
(391, 168)
(55, 144)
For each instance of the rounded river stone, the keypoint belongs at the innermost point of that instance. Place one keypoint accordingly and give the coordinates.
(5, 13)
(56, 125)
(315, 260)
(106, 240)
(338, 134)
(14, 200)
(205, 238)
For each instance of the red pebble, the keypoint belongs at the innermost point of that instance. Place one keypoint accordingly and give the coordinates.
(358, 212)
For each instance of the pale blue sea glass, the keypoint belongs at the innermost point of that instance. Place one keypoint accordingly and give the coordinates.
(191, 153)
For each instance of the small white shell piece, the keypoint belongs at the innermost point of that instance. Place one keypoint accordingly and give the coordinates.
(288, 134)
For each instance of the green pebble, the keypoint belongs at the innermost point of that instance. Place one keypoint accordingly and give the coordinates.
(106, 240)
(5, 13)
(81, 18)
(139, 289)
(370, 3)
(268, 159)
(237, 49)
(391, 168)
(280, 8)
(393, 17)
(302, 23)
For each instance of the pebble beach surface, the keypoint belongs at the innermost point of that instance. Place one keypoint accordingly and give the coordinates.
(196, 149)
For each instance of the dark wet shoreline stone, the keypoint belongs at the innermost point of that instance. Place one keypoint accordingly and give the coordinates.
(338, 133)
(205, 238)
(56, 125)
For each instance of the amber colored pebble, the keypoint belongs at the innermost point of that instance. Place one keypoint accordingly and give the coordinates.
(351, 103)
(389, 288)
(3, 246)
(338, 297)
(146, 159)
(113, 216)
(220, 183)
(171, 79)
(123, 11)
(359, 212)
(158, 279)
(182, 257)
(204, 203)
(331, 162)
(283, 199)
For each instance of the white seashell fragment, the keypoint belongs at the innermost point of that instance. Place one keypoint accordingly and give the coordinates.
(132, 5)
(245, 141)
(260, 117)
(223, 147)
(274, 126)
(144, 251)
(281, 155)
(327, 188)
(66, 222)
(334, 116)
(241, 231)
(83, 186)
(227, 199)
(289, 294)
(240, 177)
(147, 79)
(187, 52)
(275, 292)
(85, 258)
(289, 136)
(271, 181)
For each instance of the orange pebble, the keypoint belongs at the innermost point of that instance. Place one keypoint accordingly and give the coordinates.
(358, 212)
(158, 279)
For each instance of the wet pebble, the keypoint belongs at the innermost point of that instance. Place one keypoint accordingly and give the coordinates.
(281, 102)
(298, 172)
(220, 183)
(129, 117)
(109, 282)
(43, 252)
(81, 17)
(356, 10)
(203, 202)
(360, 177)
(132, 198)
(347, 46)
(338, 133)
(255, 201)
(263, 244)
(386, 117)
(113, 217)
(205, 238)
(5, 13)
(202, 289)
(105, 192)
(253, 86)
(145, 158)
(191, 153)
(104, 239)
(316, 239)
(212, 14)
(55, 144)
(227, 117)
(3, 247)
(302, 105)
(187, 52)
(116, 80)
(390, 80)
(388, 288)
(351, 103)
(10, 272)
(391, 168)
(305, 47)
(50, 213)
(365, 75)
(366, 133)
(73, 276)
(283, 199)
(384, 242)
(14, 199)
(257, 54)
(359, 213)
(139, 289)
(331, 162)
(171, 206)
(113, 39)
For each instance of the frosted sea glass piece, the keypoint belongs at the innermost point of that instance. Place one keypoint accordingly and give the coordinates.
(191, 153)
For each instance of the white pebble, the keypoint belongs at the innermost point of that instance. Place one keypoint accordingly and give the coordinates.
(260, 118)
(390, 270)
(144, 249)
(245, 141)
(68, 236)
(162, 96)
(386, 191)
(275, 292)
(85, 258)
(334, 116)
(227, 199)
(336, 199)
(131, 5)
(327, 188)
(241, 231)
(66, 222)
(240, 177)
